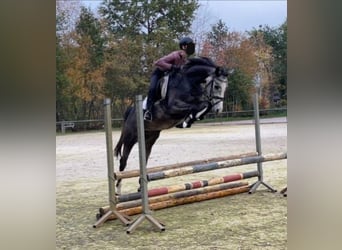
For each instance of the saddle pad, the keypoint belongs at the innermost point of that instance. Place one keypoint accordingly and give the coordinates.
(163, 86)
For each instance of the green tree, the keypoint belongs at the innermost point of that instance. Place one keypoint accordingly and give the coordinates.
(277, 39)
(140, 32)
(238, 91)
(124, 76)
(159, 22)
(148, 18)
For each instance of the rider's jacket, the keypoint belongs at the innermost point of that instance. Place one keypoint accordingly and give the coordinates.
(177, 58)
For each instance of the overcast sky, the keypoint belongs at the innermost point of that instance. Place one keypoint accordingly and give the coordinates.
(245, 15)
(237, 15)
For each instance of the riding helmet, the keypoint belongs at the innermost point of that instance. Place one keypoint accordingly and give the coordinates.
(190, 45)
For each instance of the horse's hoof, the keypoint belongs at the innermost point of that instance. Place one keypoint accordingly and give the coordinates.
(179, 125)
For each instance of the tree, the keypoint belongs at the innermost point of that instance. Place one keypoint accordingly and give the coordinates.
(89, 27)
(85, 69)
(158, 22)
(148, 18)
(140, 32)
(217, 38)
(65, 19)
(199, 27)
(276, 38)
(237, 51)
(124, 76)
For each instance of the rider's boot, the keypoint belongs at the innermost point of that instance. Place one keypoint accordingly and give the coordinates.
(148, 112)
(151, 97)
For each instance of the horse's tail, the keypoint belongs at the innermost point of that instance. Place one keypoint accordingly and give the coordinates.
(127, 112)
(117, 149)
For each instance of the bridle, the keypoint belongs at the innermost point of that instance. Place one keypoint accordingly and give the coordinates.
(210, 97)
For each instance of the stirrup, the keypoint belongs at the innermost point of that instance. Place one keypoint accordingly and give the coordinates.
(148, 115)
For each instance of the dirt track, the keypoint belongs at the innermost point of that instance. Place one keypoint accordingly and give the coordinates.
(241, 221)
(83, 155)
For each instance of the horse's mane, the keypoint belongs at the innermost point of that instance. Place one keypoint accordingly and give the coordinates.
(198, 61)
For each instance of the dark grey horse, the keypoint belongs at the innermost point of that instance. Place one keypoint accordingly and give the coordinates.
(191, 93)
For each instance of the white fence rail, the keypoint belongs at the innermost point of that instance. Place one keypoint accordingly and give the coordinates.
(98, 124)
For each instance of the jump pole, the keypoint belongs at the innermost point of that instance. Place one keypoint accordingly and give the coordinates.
(258, 139)
(136, 173)
(214, 166)
(186, 197)
(189, 185)
(146, 212)
(125, 219)
(135, 198)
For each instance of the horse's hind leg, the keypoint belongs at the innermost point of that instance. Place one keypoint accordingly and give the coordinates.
(127, 147)
(150, 138)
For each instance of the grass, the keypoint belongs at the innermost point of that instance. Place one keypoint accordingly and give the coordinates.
(243, 221)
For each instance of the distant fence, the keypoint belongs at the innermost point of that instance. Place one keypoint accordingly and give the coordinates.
(247, 113)
(85, 125)
(88, 125)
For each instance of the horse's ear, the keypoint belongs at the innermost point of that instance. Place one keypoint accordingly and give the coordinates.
(221, 71)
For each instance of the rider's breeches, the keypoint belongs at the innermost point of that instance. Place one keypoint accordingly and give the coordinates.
(156, 75)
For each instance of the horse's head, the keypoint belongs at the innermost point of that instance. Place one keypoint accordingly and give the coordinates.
(212, 78)
(215, 86)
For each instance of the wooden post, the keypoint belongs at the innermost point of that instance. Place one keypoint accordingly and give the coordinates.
(258, 138)
(143, 175)
(110, 165)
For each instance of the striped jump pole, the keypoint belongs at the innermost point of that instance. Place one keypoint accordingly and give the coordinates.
(180, 194)
(214, 165)
(188, 186)
(188, 196)
(136, 173)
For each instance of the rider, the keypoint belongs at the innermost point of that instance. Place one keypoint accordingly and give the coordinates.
(172, 61)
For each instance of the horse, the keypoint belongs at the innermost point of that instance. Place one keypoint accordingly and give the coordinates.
(192, 92)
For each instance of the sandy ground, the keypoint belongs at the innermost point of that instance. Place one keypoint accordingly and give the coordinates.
(257, 221)
(83, 155)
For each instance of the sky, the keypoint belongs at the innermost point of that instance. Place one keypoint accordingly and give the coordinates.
(246, 15)
(237, 15)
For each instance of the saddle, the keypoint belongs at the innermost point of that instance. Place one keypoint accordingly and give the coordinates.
(161, 88)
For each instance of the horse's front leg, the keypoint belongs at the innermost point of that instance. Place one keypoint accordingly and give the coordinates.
(197, 113)
(202, 111)
(177, 107)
